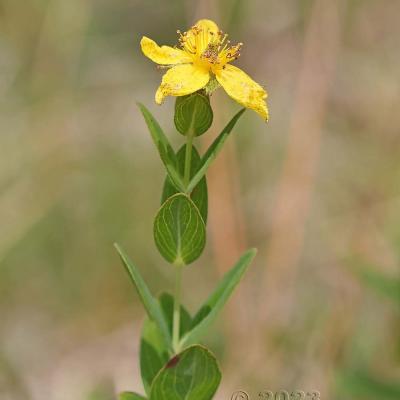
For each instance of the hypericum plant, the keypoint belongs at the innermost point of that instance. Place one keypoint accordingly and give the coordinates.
(173, 366)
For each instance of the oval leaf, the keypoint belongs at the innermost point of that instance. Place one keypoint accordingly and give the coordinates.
(190, 375)
(179, 230)
(199, 194)
(193, 113)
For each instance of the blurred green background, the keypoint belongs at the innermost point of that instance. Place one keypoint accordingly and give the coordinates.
(317, 190)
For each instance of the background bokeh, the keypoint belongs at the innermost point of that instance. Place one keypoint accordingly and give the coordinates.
(317, 190)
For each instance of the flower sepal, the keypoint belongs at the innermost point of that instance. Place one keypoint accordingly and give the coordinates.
(212, 86)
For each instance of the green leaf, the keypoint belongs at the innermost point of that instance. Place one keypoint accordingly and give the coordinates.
(193, 113)
(213, 150)
(153, 352)
(199, 195)
(165, 149)
(179, 230)
(190, 375)
(131, 396)
(150, 303)
(208, 312)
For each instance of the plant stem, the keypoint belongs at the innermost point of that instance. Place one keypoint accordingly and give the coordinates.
(188, 157)
(178, 266)
(177, 309)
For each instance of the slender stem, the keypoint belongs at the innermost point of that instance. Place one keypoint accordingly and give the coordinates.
(188, 158)
(177, 309)
(178, 266)
(189, 146)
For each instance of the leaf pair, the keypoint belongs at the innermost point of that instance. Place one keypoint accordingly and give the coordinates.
(180, 224)
(169, 157)
(159, 314)
(156, 335)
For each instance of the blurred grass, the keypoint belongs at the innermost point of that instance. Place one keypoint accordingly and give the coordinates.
(78, 172)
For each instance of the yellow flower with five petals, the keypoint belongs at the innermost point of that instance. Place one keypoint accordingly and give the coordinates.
(203, 57)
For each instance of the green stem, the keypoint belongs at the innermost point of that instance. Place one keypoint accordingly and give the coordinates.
(188, 158)
(188, 155)
(177, 309)
(178, 267)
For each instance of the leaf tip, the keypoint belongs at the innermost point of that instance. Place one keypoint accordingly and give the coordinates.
(253, 250)
(251, 253)
(141, 107)
(117, 247)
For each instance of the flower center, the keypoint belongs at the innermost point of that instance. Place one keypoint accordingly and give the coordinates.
(207, 48)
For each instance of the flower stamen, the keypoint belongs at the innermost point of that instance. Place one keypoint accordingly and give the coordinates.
(205, 45)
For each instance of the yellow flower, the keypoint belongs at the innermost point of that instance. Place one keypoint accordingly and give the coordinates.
(203, 57)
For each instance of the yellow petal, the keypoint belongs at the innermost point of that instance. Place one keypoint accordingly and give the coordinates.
(207, 25)
(163, 55)
(243, 89)
(182, 80)
(201, 34)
